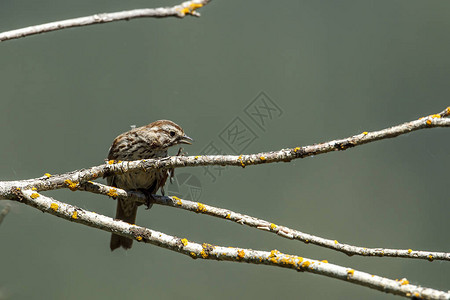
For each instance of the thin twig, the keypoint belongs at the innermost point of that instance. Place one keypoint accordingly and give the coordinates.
(185, 8)
(51, 182)
(208, 251)
(281, 231)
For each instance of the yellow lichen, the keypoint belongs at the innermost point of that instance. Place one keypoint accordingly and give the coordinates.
(300, 259)
(240, 160)
(54, 206)
(416, 294)
(191, 8)
(428, 122)
(48, 175)
(324, 261)
(305, 264)
(274, 253)
(72, 185)
(193, 255)
(201, 207)
(241, 254)
(296, 149)
(206, 249)
(283, 260)
(409, 251)
(75, 215)
(34, 189)
(94, 175)
(178, 200)
(436, 116)
(289, 260)
(139, 238)
(184, 242)
(448, 110)
(365, 133)
(336, 242)
(351, 272)
(262, 158)
(307, 241)
(206, 245)
(273, 226)
(34, 195)
(196, 157)
(404, 281)
(430, 257)
(112, 192)
(228, 216)
(111, 161)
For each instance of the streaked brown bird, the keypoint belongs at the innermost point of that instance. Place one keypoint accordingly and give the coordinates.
(151, 141)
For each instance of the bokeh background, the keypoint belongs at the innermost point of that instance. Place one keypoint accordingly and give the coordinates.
(334, 68)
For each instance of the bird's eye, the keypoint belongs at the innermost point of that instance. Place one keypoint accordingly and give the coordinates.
(172, 133)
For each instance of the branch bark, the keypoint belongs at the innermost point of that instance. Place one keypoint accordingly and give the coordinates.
(27, 191)
(260, 224)
(180, 11)
(220, 253)
(51, 182)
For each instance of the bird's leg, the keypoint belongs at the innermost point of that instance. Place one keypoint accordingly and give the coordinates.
(172, 170)
(180, 152)
(148, 198)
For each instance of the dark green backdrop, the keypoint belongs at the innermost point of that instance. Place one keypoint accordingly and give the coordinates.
(333, 68)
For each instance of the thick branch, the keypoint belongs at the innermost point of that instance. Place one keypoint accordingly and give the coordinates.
(185, 8)
(49, 182)
(208, 251)
(281, 231)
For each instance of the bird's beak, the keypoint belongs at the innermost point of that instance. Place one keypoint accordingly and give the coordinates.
(185, 140)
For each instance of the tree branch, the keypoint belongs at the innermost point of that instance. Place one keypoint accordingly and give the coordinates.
(219, 253)
(185, 8)
(72, 179)
(260, 224)
(26, 191)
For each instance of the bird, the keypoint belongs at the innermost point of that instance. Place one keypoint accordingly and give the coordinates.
(150, 141)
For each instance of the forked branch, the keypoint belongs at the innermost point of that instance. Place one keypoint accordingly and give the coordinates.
(260, 224)
(27, 191)
(208, 251)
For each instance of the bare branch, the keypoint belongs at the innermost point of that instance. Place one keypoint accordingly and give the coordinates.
(281, 231)
(26, 191)
(185, 8)
(208, 251)
(72, 179)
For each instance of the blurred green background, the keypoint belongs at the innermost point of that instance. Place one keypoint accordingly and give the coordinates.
(334, 68)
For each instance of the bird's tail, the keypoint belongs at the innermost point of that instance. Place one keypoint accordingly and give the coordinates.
(126, 214)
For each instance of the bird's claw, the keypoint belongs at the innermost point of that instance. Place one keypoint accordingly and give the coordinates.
(148, 198)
